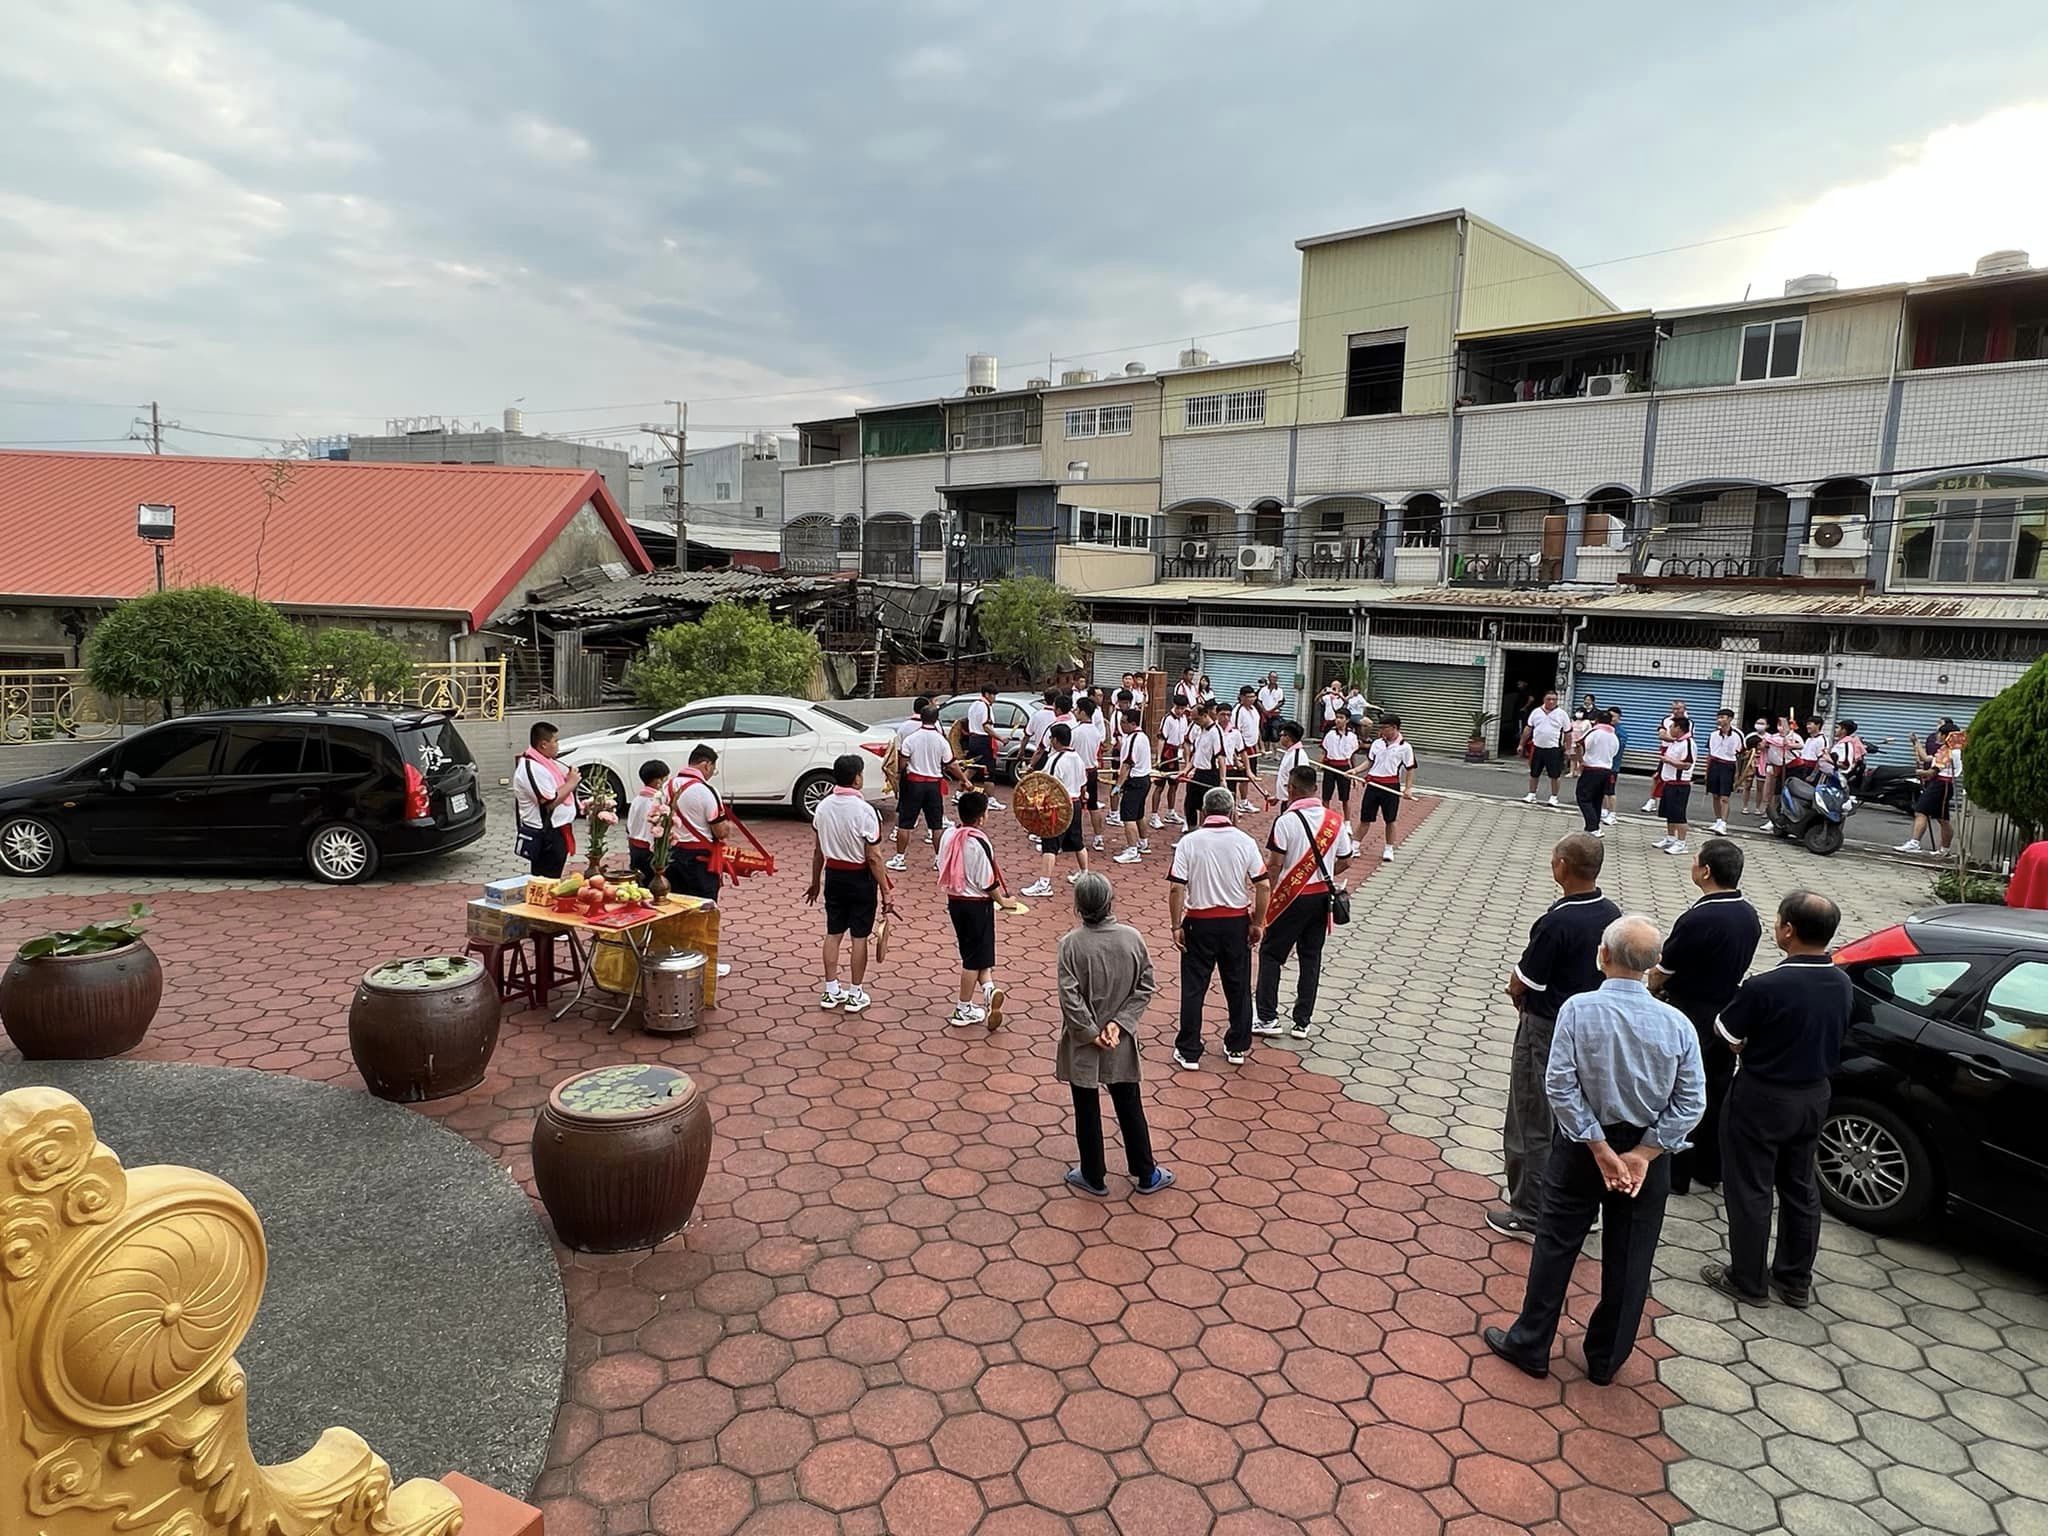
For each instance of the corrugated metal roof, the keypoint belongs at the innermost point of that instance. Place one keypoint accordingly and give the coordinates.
(1379, 229)
(404, 538)
(1572, 323)
(589, 595)
(1778, 603)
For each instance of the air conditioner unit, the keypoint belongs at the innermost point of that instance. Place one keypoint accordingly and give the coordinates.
(959, 442)
(1194, 549)
(1837, 538)
(1329, 549)
(1258, 557)
(1486, 522)
(1598, 386)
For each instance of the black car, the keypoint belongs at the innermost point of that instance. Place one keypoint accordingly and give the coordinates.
(1942, 1096)
(336, 788)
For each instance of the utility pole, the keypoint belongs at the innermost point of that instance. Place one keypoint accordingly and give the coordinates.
(676, 441)
(151, 431)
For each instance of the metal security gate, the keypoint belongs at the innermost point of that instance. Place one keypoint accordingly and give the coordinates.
(1435, 702)
(1889, 722)
(1111, 662)
(1645, 701)
(1231, 670)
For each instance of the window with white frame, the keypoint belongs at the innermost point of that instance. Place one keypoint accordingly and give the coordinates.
(1081, 422)
(1770, 349)
(1114, 420)
(1972, 540)
(1231, 408)
(1114, 530)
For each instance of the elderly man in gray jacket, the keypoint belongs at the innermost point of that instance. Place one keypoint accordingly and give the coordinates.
(1105, 982)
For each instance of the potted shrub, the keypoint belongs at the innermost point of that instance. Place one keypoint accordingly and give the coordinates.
(423, 1027)
(1475, 746)
(83, 993)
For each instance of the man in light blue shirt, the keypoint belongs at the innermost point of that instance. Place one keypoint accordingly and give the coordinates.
(1626, 1085)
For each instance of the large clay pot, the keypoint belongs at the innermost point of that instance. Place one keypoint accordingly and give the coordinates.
(423, 1028)
(620, 1154)
(81, 1007)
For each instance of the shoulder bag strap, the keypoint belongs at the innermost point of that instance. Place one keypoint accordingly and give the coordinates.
(1314, 852)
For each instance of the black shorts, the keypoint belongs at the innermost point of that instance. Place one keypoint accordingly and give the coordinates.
(1933, 799)
(1546, 760)
(1720, 776)
(1135, 793)
(851, 897)
(1091, 792)
(1336, 787)
(689, 874)
(1382, 802)
(982, 750)
(1068, 841)
(920, 797)
(974, 926)
(1672, 800)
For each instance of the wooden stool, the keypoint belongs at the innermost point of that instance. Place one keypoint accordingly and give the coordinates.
(509, 967)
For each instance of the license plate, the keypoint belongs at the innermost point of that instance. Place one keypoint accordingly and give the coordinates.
(457, 804)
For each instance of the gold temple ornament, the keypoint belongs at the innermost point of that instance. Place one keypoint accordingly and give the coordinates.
(123, 1297)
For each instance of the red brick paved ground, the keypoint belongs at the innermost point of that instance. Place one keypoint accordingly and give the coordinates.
(890, 1316)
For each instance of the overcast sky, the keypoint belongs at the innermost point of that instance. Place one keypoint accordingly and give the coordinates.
(305, 219)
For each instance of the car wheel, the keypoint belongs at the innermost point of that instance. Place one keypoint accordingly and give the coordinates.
(1875, 1171)
(341, 854)
(599, 780)
(30, 846)
(811, 792)
(1823, 837)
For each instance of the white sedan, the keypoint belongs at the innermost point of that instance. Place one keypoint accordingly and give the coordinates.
(771, 751)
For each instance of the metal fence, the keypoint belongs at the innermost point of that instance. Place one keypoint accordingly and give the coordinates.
(59, 704)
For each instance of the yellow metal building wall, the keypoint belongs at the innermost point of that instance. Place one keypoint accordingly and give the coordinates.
(1279, 380)
(1508, 282)
(1135, 457)
(1377, 283)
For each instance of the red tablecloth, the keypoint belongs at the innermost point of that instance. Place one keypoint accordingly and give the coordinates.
(2029, 887)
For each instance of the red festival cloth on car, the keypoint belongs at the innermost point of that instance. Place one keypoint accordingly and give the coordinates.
(2029, 887)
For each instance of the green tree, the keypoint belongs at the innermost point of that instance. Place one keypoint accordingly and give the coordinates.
(1032, 624)
(2006, 763)
(200, 647)
(734, 648)
(356, 664)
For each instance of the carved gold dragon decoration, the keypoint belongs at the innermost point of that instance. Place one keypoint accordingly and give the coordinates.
(123, 1296)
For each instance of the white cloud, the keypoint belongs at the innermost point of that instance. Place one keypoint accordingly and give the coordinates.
(932, 61)
(549, 142)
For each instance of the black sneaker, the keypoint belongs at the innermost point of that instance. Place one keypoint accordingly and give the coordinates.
(1265, 1026)
(1301, 1031)
(1508, 1224)
(1719, 1277)
(1800, 1300)
(1235, 1058)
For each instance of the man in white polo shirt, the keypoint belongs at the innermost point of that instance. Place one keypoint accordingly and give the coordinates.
(1133, 785)
(1064, 764)
(924, 763)
(1308, 847)
(1724, 752)
(1173, 743)
(1272, 700)
(1217, 900)
(1389, 776)
(1089, 733)
(1546, 726)
(980, 737)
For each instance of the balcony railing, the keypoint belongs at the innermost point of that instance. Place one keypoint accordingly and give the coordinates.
(1726, 555)
(60, 705)
(1360, 560)
(981, 562)
(1488, 568)
(1220, 564)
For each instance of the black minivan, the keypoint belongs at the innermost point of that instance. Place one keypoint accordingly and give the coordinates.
(336, 788)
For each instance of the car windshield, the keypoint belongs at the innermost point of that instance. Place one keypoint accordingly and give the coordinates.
(432, 745)
(838, 719)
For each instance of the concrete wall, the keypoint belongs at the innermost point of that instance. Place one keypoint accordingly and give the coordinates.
(496, 448)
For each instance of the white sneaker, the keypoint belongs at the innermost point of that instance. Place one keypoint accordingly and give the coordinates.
(1096, 846)
(968, 1013)
(1245, 807)
(1648, 806)
(832, 997)
(1037, 888)
(1553, 802)
(1176, 818)
(1767, 825)
(1128, 856)
(997, 805)
(1599, 831)
(1530, 798)
(1664, 842)
(897, 863)
(1674, 846)
(1183, 1064)
(1157, 824)
(1386, 855)
(1910, 845)
(857, 1000)
(1071, 879)
(1144, 845)
(1720, 827)
(1607, 818)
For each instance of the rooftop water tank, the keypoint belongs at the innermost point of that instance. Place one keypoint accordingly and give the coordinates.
(766, 445)
(1132, 370)
(1811, 283)
(1194, 357)
(1078, 376)
(981, 373)
(515, 419)
(1998, 263)
(1038, 383)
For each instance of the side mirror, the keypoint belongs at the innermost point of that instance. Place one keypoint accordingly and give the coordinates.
(639, 736)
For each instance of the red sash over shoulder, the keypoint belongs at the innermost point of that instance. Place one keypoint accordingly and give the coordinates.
(1304, 876)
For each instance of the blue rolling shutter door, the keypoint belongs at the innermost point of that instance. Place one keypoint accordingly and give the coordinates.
(1231, 670)
(1645, 701)
(1888, 722)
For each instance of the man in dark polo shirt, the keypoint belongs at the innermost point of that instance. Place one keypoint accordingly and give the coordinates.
(1561, 961)
(1706, 957)
(1785, 1028)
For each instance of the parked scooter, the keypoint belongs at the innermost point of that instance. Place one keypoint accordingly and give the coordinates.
(1814, 812)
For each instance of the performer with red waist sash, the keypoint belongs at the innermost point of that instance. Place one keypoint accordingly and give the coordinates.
(846, 869)
(701, 824)
(1389, 775)
(1217, 900)
(1310, 842)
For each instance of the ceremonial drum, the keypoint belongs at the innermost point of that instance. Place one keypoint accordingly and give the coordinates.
(1042, 805)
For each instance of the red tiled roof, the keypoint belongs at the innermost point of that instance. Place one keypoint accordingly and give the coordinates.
(409, 538)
